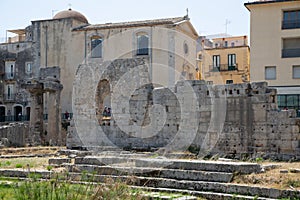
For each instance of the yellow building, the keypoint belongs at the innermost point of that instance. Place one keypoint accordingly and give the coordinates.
(225, 61)
(275, 47)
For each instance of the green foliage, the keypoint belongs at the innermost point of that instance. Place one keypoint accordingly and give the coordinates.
(259, 159)
(49, 167)
(61, 188)
(18, 165)
(293, 183)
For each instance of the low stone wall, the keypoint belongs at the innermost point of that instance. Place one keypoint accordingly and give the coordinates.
(16, 133)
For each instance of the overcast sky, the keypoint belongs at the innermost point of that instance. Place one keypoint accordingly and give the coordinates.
(208, 16)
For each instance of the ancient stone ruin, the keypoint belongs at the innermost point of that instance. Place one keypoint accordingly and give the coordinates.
(236, 120)
(40, 132)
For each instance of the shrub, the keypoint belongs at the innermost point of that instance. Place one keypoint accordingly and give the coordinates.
(18, 165)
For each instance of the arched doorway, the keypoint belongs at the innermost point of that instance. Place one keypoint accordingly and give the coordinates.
(18, 113)
(103, 102)
(27, 114)
(2, 113)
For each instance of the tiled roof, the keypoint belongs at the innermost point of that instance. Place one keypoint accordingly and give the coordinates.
(134, 23)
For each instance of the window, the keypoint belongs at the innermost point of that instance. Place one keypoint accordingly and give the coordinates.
(226, 44)
(28, 67)
(185, 48)
(231, 62)
(229, 82)
(291, 19)
(209, 82)
(96, 47)
(142, 44)
(9, 89)
(290, 101)
(270, 73)
(216, 62)
(291, 47)
(296, 71)
(232, 44)
(10, 69)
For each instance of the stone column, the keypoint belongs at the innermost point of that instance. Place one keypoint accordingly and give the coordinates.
(37, 136)
(54, 88)
(54, 136)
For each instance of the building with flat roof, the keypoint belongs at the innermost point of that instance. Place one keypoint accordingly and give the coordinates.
(225, 60)
(275, 48)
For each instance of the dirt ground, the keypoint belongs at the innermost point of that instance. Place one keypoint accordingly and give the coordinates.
(282, 176)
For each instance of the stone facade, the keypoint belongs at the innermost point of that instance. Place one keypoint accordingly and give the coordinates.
(234, 120)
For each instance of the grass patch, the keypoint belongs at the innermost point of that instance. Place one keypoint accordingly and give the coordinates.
(61, 188)
(18, 165)
(25, 162)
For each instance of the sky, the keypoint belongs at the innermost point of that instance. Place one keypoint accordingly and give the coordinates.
(207, 16)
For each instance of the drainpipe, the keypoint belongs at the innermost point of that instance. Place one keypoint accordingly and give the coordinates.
(46, 51)
(85, 47)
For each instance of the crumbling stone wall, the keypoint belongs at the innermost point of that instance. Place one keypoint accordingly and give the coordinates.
(233, 120)
(16, 133)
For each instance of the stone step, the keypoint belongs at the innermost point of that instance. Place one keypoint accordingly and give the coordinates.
(153, 182)
(154, 172)
(203, 194)
(198, 165)
(59, 161)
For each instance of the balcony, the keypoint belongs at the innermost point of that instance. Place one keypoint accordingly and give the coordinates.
(290, 53)
(142, 52)
(223, 67)
(10, 76)
(290, 24)
(9, 97)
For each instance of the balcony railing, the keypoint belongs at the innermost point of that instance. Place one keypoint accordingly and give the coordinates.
(9, 97)
(290, 53)
(290, 24)
(12, 118)
(223, 67)
(142, 52)
(10, 75)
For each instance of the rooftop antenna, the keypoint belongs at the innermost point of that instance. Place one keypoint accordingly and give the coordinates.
(226, 25)
(187, 12)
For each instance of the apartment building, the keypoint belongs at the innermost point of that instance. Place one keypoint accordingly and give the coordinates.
(275, 48)
(225, 60)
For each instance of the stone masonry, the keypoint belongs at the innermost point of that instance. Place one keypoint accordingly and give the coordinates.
(48, 82)
(236, 120)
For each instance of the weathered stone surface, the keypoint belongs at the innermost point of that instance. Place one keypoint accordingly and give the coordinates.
(58, 161)
(236, 120)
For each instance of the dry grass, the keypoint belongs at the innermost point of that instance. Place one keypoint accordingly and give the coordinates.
(34, 163)
(273, 178)
(29, 150)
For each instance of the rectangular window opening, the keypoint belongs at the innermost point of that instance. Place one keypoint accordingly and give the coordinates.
(270, 73)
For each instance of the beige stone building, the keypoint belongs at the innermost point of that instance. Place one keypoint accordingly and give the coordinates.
(68, 40)
(225, 60)
(275, 47)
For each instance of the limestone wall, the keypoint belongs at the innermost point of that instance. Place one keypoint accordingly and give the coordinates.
(16, 133)
(235, 120)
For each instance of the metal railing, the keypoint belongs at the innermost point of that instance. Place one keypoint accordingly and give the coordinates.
(9, 97)
(142, 52)
(290, 24)
(290, 53)
(223, 67)
(14, 118)
(10, 75)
